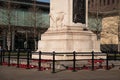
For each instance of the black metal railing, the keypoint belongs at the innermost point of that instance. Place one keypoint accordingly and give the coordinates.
(6, 57)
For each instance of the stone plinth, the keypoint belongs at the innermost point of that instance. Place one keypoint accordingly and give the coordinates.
(68, 39)
(58, 56)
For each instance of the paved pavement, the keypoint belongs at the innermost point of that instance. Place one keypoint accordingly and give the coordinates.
(13, 73)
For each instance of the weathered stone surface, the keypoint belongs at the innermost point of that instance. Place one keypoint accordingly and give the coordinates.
(109, 33)
(68, 40)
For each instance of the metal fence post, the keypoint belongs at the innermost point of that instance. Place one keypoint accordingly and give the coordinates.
(115, 56)
(92, 60)
(53, 69)
(28, 59)
(1, 57)
(9, 54)
(74, 61)
(39, 62)
(107, 67)
(18, 57)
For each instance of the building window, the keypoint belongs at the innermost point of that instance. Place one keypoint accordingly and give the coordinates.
(118, 2)
(108, 2)
(104, 2)
(113, 1)
(100, 2)
(89, 3)
(92, 1)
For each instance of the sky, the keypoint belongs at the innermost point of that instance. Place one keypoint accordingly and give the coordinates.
(44, 0)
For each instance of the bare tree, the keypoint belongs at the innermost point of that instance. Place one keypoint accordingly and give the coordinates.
(7, 13)
(95, 21)
(36, 21)
(95, 25)
(7, 19)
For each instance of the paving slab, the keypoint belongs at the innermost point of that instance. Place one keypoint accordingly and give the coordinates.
(13, 73)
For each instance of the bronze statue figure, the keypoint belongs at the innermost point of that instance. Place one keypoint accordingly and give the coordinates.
(79, 11)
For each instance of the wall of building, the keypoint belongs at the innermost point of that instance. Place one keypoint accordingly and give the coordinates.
(21, 17)
(110, 30)
(103, 5)
(109, 34)
(23, 21)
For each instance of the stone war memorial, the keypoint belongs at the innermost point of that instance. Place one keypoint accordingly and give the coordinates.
(68, 29)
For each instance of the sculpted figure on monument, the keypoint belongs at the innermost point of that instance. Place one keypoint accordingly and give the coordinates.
(57, 18)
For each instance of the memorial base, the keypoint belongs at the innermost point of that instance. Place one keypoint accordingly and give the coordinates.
(79, 56)
(68, 39)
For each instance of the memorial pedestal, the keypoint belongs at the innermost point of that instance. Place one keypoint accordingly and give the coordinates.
(66, 32)
(68, 39)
